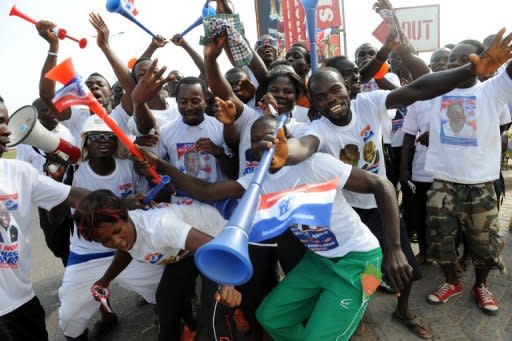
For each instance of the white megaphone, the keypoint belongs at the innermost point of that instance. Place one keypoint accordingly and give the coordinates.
(26, 128)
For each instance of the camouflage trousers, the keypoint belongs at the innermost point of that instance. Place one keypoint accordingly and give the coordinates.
(472, 209)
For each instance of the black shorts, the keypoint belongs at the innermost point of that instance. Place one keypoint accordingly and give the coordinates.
(371, 218)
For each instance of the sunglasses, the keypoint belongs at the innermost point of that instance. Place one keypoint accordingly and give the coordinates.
(109, 137)
(266, 42)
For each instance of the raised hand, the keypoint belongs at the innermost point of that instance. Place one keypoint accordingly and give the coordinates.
(206, 145)
(246, 88)
(491, 59)
(102, 31)
(266, 101)
(214, 49)
(159, 41)
(45, 30)
(382, 4)
(224, 111)
(149, 85)
(178, 40)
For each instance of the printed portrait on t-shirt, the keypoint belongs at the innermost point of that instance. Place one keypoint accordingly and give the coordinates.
(9, 245)
(198, 164)
(458, 120)
(350, 155)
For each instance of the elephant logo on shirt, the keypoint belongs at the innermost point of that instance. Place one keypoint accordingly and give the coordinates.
(350, 155)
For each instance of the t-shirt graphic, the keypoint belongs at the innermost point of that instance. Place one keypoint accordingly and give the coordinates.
(126, 189)
(398, 120)
(9, 240)
(9, 201)
(315, 238)
(350, 155)
(458, 120)
(198, 164)
(371, 156)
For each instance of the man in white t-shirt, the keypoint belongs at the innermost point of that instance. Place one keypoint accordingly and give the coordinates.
(464, 166)
(21, 314)
(357, 122)
(331, 250)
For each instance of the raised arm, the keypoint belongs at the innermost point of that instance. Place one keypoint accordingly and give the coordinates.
(437, 83)
(216, 81)
(121, 71)
(178, 40)
(155, 44)
(47, 86)
(369, 70)
(395, 263)
(198, 188)
(148, 86)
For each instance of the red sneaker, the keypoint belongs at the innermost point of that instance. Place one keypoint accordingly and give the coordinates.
(444, 293)
(187, 334)
(485, 299)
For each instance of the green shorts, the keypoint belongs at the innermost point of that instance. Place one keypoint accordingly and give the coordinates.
(472, 209)
(327, 291)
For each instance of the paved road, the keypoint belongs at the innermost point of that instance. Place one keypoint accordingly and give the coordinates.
(458, 320)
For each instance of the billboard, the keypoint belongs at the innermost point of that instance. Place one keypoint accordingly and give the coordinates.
(286, 21)
(420, 24)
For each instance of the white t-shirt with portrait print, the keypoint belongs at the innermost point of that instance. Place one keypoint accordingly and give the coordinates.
(244, 124)
(179, 142)
(123, 182)
(358, 143)
(162, 231)
(346, 232)
(21, 187)
(474, 157)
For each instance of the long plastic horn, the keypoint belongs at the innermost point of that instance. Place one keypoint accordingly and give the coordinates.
(127, 10)
(59, 32)
(208, 11)
(310, 8)
(225, 259)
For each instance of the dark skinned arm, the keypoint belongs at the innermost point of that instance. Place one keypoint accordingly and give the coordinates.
(216, 81)
(147, 87)
(437, 83)
(395, 263)
(178, 40)
(120, 69)
(47, 86)
(407, 149)
(120, 261)
(202, 190)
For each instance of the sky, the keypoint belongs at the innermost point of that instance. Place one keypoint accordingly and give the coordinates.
(24, 52)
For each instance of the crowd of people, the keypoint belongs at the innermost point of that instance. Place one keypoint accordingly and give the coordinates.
(428, 136)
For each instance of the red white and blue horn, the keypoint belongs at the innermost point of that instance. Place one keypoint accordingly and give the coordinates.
(127, 10)
(225, 259)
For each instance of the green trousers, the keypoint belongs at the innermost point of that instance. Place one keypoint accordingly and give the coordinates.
(327, 291)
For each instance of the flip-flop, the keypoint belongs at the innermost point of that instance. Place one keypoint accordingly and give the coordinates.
(416, 325)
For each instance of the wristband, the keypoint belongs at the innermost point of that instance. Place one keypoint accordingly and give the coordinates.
(52, 53)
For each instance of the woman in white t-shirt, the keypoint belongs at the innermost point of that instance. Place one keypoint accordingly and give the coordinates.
(159, 236)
